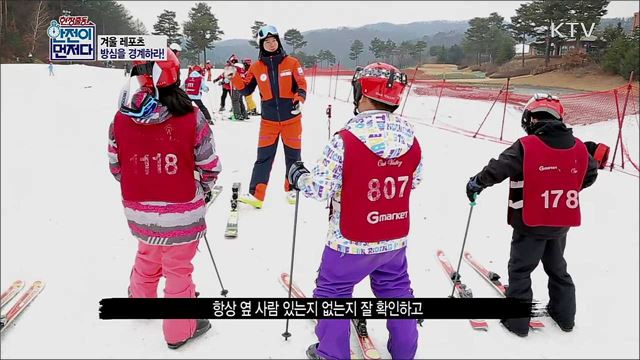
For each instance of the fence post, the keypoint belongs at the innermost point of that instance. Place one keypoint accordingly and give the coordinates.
(615, 149)
(488, 112)
(624, 113)
(335, 91)
(315, 78)
(438, 104)
(504, 112)
(330, 78)
(409, 91)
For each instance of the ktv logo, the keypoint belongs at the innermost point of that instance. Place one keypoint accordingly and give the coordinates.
(72, 38)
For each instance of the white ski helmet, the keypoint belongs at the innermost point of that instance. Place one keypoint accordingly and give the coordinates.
(175, 47)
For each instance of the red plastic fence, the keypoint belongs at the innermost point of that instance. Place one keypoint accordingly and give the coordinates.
(330, 71)
(580, 108)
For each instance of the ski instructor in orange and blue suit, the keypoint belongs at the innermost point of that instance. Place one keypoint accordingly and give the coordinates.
(283, 88)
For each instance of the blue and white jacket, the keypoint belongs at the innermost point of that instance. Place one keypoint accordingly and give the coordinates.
(388, 136)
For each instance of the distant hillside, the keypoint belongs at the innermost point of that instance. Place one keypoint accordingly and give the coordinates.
(339, 40)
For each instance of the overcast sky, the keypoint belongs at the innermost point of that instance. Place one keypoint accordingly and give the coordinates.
(236, 17)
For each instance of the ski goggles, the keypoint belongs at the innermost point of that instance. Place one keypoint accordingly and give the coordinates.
(545, 96)
(391, 76)
(137, 101)
(266, 31)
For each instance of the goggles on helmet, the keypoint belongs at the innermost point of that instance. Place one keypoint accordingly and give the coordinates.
(265, 31)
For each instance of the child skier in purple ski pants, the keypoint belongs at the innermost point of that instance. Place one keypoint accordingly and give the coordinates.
(369, 182)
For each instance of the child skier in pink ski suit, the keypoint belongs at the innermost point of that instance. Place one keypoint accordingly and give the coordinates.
(156, 141)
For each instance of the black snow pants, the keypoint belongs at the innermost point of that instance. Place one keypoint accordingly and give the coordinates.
(526, 252)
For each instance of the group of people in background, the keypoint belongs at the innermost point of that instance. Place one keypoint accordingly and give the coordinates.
(239, 110)
(195, 85)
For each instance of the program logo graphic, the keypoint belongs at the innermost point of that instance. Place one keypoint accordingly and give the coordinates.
(72, 38)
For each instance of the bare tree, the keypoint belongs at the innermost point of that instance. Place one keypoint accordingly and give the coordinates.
(40, 21)
(2, 5)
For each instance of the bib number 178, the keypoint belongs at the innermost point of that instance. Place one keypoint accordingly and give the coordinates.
(553, 197)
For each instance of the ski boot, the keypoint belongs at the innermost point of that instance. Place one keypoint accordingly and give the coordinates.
(512, 329)
(563, 325)
(291, 197)
(202, 326)
(250, 200)
(312, 352)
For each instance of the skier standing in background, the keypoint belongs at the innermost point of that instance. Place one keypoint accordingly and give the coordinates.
(368, 170)
(208, 67)
(239, 111)
(251, 105)
(283, 89)
(164, 205)
(51, 69)
(225, 82)
(194, 85)
(547, 170)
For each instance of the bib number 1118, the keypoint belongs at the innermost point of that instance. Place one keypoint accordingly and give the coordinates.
(170, 163)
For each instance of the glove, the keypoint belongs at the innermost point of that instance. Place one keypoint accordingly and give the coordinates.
(599, 152)
(296, 171)
(473, 189)
(207, 197)
(297, 105)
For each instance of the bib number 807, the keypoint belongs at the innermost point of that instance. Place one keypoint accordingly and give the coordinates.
(571, 198)
(388, 189)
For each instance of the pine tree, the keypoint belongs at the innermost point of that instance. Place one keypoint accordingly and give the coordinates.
(167, 25)
(254, 31)
(377, 47)
(202, 29)
(356, 49)
(295, 39)
(419, 47)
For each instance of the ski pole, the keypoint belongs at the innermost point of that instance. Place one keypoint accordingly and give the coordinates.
(466, 231)
(224, 291)
(286, 333)
(328, 112)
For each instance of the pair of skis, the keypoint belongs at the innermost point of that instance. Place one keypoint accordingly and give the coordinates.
(464, 292)
(217, 190)
(19, 307)
(231, 229)
(461, 290)
(367, 347)
(494, 279)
